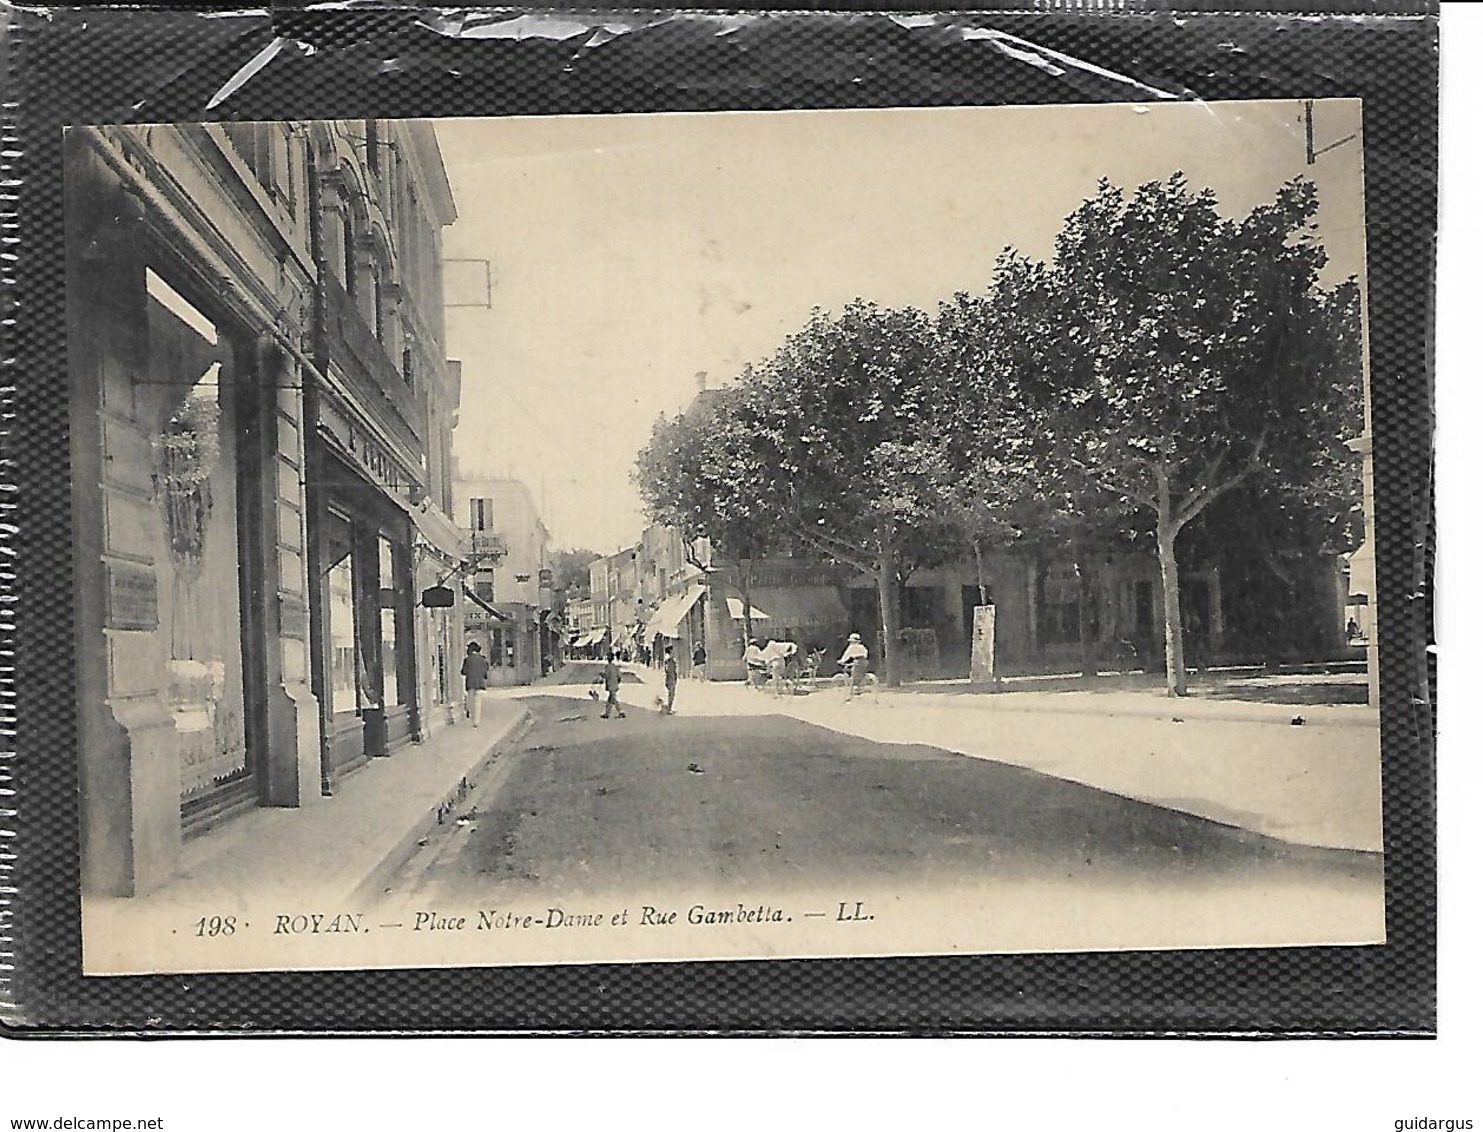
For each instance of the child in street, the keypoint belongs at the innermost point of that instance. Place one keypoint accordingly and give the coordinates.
(671, 679)
(611, 677)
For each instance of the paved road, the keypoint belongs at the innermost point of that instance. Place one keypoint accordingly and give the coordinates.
(585, 804)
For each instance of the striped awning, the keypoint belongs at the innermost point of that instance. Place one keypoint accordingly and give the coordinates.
(672, 610)
(734, 607)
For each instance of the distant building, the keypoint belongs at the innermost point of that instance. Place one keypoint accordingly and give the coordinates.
(581, 627)
(615, 600)
(508, 597)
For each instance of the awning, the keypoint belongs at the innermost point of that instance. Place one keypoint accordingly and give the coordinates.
(795, 607)
(672, 610)
(734, 607)
(437, 531)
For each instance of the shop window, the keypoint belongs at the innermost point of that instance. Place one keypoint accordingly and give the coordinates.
(346, 677)
(343, 683)
(197, 488)
(1060, 606)
(391, 684)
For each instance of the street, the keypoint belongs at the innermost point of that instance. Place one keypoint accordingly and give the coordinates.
(770, 804)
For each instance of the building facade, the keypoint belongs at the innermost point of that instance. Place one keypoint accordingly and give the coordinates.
(508, 593)
(379, 470)
(614, 583)
(259, 411)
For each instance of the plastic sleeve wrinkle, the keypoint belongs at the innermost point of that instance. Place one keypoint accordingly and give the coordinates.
(11, 1012)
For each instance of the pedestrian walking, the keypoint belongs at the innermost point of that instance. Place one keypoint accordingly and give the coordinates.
(776, 655)
(671, 678)
(475, 672)
(855, 660)
(756, 665)
(610, 678)
(697, 663)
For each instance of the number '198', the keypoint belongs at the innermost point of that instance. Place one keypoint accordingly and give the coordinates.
(216, 925)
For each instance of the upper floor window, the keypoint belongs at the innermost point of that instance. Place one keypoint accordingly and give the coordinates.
(373, 146)
(481, 514)
(266, 148)
(378, 303)
(347, 229)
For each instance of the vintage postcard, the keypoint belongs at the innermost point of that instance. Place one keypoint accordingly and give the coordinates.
(733, 535)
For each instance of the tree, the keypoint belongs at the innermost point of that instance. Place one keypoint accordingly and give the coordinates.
(570, 574)
(1180, 354)
(839, 416)
(700, 474)
(1003, 480)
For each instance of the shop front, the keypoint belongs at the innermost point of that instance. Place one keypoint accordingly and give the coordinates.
(365, 652)
(790, 600)
(187, 575)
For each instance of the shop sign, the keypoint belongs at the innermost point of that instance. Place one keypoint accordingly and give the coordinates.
(133, 597)
(437, 597)
(372, 457)
(776, 579)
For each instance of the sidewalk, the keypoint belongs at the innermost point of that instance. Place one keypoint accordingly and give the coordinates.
(335, 853)
(1242, 764)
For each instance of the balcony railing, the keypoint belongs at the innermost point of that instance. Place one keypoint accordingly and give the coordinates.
(383, 391)
(486, 545)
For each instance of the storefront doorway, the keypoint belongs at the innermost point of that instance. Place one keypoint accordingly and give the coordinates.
(365, 668)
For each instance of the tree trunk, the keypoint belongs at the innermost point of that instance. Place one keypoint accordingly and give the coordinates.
(746, 596)
(890, 599)
(1174, 675)
(1167, 531)
(1085, 597)
(978, 562)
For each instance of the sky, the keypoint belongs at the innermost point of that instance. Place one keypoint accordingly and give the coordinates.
(630, 253)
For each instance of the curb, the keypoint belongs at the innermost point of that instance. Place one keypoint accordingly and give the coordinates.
(369, 889)
(1158, 710)
(1189, 710)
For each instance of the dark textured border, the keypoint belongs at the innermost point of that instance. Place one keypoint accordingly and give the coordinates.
(101, 65)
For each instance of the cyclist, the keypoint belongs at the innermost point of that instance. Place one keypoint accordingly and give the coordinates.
(855, 660)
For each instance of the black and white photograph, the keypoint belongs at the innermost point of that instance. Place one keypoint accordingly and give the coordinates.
(577, 539)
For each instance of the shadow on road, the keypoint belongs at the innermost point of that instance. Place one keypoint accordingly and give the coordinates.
(768, 801)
